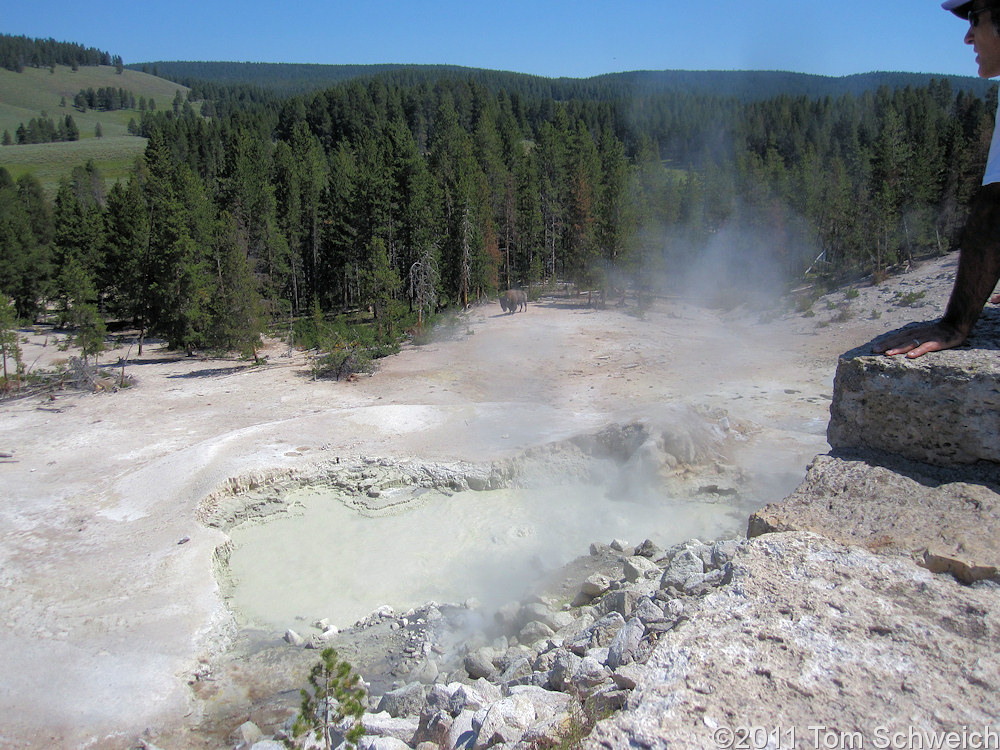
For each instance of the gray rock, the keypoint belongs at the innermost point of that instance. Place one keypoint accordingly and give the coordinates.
(434, 727)
(564, 664)
(438, 697)
(549, 732)
(383, 725)
(462, 733)
(681, 568)
(620, 545)
(545, 614)
(468, 698)
(628, 676)
(600, 633)
(622, 601)
(693, 582)
(595, 585)
(426, 671)
(724, 551)
(480, 663)
(607, 700)
(545, 702)
(647, 611)
(505, 721)
(624, 648)
(535, 631)
(639, 567)
(517, 670)
(649, 550)
(247, 734)
(404, 701)
(588, 674)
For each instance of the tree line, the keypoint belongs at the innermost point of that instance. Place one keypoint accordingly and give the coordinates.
(43, 130)
(19, 52)
(393, 200)
(105, 99)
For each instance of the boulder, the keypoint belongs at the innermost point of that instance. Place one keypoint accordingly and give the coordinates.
(637, 567)
(504, 721)
(382, 725)
(462, 733)
(649, 550)
(684, 564)
(624, 648)
(947, 518)
(942, 410)
(600, 633)
(479, 663)
(247, 734)
(405, 701)
(535, 631)
(595, 585)
(589, 673)
(564, 665)
(468, 698)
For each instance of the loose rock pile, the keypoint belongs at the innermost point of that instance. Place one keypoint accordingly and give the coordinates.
(542, 670)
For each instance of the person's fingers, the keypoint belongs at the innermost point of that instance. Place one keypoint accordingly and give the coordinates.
(919, 351)
(995, 299)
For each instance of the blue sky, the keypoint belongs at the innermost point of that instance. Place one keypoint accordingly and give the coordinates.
(578, 39)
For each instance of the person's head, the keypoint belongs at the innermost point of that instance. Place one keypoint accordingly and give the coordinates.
(984, 31)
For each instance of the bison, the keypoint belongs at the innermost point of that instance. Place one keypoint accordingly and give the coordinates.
(513, 300)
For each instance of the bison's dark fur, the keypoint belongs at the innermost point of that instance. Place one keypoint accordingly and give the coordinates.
(513, 300)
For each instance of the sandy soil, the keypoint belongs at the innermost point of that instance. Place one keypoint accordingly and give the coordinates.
(106, 578)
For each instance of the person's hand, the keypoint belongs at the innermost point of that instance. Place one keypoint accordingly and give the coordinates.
(915, 342)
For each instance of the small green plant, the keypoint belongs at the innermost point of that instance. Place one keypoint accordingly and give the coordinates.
(334, 697)
(909, 299)
(851, 293)
(876, 314)
(584, 714)
(844, 313)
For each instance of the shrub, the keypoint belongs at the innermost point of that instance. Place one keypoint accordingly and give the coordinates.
(908, 299)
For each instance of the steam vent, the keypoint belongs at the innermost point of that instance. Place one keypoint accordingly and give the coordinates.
(915, 464)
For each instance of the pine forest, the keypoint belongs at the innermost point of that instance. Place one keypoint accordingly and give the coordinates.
(389, 198)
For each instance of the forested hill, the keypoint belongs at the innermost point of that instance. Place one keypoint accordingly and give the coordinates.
(745, 85)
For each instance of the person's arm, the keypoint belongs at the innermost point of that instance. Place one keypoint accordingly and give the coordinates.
(978, 273)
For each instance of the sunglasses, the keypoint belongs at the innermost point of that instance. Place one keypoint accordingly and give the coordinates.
(974, 16)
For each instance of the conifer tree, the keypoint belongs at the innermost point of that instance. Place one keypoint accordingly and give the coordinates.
(237, 311)
(334, 697)
(10, 347)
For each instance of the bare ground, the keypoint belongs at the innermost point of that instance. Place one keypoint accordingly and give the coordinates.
(106, 577)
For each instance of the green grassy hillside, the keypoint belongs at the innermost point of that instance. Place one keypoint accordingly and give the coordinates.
(26, 95)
